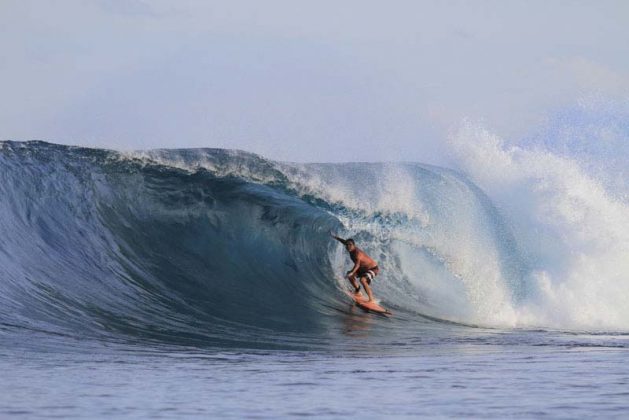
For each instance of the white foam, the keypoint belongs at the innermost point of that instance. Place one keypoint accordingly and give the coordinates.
(574, 233)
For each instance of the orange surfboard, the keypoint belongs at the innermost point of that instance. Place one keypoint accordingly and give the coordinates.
(361, 302)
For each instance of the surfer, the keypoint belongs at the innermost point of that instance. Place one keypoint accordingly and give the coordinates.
(365, 268)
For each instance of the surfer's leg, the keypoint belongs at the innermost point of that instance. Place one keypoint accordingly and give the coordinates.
(355, 284)
(364, 281)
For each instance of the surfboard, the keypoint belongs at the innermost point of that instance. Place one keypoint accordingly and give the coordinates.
(361, 302)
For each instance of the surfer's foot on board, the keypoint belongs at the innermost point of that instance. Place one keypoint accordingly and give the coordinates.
(359, 294)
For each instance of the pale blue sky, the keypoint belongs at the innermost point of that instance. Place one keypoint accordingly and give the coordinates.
(305, 81)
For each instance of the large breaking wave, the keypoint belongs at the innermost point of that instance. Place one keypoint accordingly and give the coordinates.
(220, 245)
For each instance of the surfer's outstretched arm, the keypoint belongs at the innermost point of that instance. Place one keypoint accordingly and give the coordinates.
(341, 240)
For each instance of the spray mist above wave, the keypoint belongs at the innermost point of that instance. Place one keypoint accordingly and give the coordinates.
(593, 133)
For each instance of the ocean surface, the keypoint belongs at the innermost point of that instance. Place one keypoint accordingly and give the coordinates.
(204, 283)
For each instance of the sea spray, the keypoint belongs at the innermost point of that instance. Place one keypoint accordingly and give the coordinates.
(571, 230)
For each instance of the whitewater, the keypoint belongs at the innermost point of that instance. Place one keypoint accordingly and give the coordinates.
(216, 267)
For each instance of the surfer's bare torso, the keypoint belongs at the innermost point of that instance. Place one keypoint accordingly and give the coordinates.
(362, 260)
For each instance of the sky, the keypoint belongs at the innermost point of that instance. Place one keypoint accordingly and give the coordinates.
(308, 81)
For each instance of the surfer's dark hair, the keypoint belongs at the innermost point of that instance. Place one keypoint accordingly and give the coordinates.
(350, 241)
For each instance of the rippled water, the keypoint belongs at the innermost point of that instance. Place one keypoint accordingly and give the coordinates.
(463, 372)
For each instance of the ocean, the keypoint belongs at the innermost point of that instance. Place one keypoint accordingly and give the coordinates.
(205, 283)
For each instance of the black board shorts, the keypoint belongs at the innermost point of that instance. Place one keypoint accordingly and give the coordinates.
(370, 273)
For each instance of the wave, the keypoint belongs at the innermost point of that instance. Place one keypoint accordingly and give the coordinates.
(221, 246)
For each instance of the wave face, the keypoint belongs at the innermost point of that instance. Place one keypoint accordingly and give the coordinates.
(221, 246)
